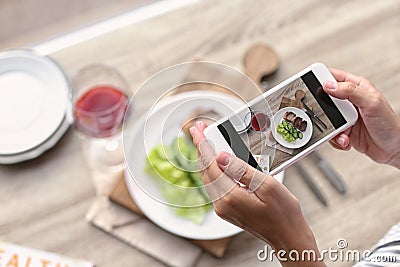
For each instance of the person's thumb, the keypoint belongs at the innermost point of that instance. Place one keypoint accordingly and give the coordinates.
(347, 90)
(240, 171)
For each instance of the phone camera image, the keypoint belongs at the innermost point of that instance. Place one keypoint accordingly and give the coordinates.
(288, 121)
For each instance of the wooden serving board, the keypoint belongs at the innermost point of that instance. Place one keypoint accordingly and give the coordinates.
(289, 102)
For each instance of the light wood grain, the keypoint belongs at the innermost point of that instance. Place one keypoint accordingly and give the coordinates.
(32, 21)
(43, 201)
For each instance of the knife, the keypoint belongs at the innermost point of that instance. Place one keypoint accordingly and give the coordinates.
(313, 115)
(311, 184)
(313, 119)
(333, 177)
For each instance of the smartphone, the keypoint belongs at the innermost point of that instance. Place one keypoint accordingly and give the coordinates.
(284, 124)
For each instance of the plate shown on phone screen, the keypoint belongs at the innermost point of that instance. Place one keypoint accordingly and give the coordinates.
(279, 117)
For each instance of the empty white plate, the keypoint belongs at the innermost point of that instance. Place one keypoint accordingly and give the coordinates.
(34, 96)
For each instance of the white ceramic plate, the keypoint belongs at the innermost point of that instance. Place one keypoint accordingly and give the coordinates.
(37, 151)
(145, 135)
(278, 117)
(34, 96)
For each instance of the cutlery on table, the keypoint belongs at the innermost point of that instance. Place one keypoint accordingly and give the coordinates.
(333, 177)
(311, 183)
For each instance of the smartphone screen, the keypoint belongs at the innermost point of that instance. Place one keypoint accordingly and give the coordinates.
(283, 124)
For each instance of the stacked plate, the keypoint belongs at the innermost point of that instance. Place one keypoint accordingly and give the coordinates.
(34, 104)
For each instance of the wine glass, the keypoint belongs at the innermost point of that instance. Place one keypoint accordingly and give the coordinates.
(100, 101)
(259, 121)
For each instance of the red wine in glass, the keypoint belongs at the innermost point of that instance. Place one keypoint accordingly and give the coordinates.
(259, 121)
(99, 112)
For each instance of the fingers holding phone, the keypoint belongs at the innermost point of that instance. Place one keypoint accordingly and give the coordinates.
(375, 132)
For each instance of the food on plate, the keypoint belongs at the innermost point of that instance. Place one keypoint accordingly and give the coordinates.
(289, 116)
(303, 126)
(177, 164)
(288, 131)
(291, 127)
(296, 121)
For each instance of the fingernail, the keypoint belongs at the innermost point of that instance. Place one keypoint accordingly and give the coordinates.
(331, 85)
(340, 141)
(193, 131)
(198, 123)
(224, 159)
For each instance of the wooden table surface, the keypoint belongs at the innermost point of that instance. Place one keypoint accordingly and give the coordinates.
(43, 201)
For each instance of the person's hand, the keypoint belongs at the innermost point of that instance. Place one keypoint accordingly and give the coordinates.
(377, 131)
(270, 212)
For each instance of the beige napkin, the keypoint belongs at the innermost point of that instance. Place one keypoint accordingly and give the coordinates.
(126, 222)
(141, 234)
